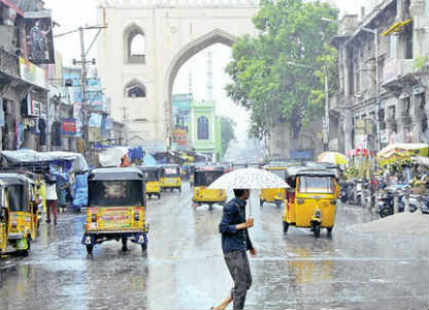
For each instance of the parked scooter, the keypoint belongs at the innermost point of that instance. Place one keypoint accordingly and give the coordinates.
(419, 202)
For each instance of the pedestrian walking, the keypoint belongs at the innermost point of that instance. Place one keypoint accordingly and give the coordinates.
(235, 244)
(62, 186)
(51, 198)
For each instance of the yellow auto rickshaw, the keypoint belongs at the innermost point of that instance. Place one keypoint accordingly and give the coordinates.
(116, 208)
(152, 178)
(311, 200)
(274, 195)
(171, 177)
(203, 177)
(23, 217)
(4, 215)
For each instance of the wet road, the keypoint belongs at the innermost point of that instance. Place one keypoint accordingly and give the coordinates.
(184, 266)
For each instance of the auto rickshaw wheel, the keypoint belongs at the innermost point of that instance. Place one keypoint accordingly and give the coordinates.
(210, 206)
(261, 203)
(89, 248)
(316, 230)
(329, 229)
(180, 189)
(144, 247)
(124, 244)
(278, 203)
(285, 227)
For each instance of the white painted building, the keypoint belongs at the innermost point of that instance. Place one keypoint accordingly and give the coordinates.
(146, 43)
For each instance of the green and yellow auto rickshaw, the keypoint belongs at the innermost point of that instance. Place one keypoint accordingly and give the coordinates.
(23, 217)
(152, 178)
(116, 208)
(171, 177)
(203, 177)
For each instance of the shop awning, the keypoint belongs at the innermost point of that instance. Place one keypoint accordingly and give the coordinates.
(396, 27)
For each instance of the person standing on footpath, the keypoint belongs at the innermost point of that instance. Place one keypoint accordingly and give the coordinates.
(51, 198)
(235, 244)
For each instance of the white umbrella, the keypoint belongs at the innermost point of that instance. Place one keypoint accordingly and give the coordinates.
(249, 178)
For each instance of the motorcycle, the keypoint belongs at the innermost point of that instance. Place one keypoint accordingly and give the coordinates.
(419, 202)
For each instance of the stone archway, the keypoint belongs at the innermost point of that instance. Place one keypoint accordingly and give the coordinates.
(186, 53)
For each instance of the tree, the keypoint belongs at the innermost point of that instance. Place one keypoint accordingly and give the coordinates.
(227, 132)
(270, 73)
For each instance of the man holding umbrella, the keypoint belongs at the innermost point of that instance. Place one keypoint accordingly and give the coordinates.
(235, 244)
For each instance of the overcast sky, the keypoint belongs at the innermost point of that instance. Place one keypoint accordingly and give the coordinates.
(72, 14)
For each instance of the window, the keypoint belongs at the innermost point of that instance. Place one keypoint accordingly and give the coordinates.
(310, 184)
(135, 89)
(135, 45)
(203, 128)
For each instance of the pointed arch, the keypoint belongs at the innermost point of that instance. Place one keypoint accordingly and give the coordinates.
(134, 44)
(135, 89)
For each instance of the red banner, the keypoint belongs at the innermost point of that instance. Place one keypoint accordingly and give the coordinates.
(68, 127)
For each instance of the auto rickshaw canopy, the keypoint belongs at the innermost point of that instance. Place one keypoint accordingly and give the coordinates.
(116, 174)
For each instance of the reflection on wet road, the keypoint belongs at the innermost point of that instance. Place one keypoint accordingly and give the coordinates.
(184, 267)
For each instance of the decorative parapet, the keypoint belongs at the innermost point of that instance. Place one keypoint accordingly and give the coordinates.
(178, 3)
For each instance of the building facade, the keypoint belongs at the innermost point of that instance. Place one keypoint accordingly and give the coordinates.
(383, 77)
(23, 84)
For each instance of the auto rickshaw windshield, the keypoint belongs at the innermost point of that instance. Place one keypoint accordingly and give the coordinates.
(151, 175)
(16, 198)
(171, 172)
(205, 178)
(316, 184)
(115, 193)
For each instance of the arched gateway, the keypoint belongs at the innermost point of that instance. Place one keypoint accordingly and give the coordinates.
(173, 32)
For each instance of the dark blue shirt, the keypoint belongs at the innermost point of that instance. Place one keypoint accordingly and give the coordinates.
(234, 213)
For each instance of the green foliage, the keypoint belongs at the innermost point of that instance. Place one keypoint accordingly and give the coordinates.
(265, 79)
(420, 62)
(227, 131)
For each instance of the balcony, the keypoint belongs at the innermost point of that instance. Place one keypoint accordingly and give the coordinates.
(399, 74)
(9, 64)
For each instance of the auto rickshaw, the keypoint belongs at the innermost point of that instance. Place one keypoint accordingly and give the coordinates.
(23, 216)
(203, 177)
(274, 195)
(170, 177)
(116, 208)
(311, 200)
(4, 214)
(152, 178)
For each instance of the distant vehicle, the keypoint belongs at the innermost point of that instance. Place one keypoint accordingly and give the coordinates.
(203, 177)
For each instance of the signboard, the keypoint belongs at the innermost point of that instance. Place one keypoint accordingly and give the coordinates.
(68, 127)
(32, 73)
(33, 106)
(302, 155)
(40, 43)
(180, 137)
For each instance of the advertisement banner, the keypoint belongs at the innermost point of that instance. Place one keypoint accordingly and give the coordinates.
(32, 73)
(180, 137)
(68, 127)
(40, 43)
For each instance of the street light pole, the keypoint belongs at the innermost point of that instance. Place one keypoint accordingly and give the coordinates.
(326, 127)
